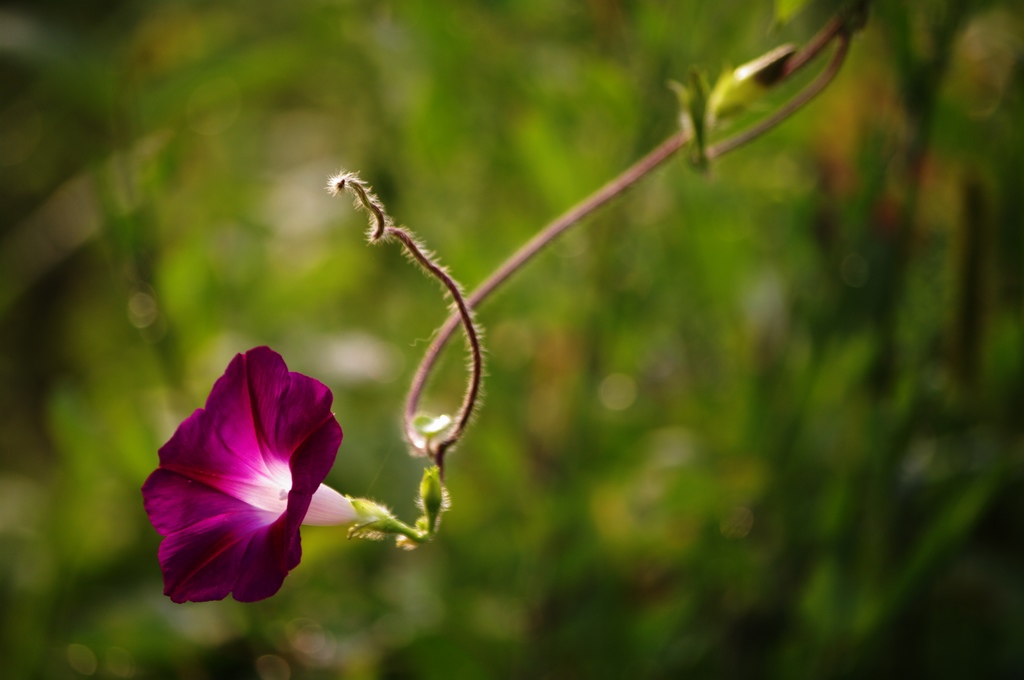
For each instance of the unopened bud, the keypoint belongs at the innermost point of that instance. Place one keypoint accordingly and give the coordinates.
(433, 498)
(740, 87)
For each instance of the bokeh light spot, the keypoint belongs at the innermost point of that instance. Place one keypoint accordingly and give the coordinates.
(271, 667)
(81, 659)
(617, 392)
(738, 523)
(142, 309)
(119, 662)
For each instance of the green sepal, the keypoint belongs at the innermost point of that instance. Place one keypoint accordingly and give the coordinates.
(698, 109)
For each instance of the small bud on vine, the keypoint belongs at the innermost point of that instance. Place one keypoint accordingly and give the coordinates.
(433, 499)
(738, 88)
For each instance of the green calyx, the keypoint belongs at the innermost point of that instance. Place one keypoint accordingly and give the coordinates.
(375, 522)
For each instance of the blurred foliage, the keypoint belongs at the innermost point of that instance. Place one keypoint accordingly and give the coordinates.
(760, 423)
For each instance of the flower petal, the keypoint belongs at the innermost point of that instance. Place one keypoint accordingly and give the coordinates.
(239, 398)
(205, 561)
(175, 502)
(308, 405)
(310, 461)
(223, 438)
(217, 544)
(259, 407)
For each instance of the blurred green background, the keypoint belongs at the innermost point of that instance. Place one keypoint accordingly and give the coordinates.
(767, 422)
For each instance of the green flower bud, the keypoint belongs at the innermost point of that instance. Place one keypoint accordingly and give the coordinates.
(740, 87)
(433, 498)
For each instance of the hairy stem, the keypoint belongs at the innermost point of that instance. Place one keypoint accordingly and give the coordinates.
(465, 315)
(382, 229)
(836, 28)
(527, 251)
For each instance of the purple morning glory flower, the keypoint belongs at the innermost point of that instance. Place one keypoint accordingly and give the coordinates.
(237, 479)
